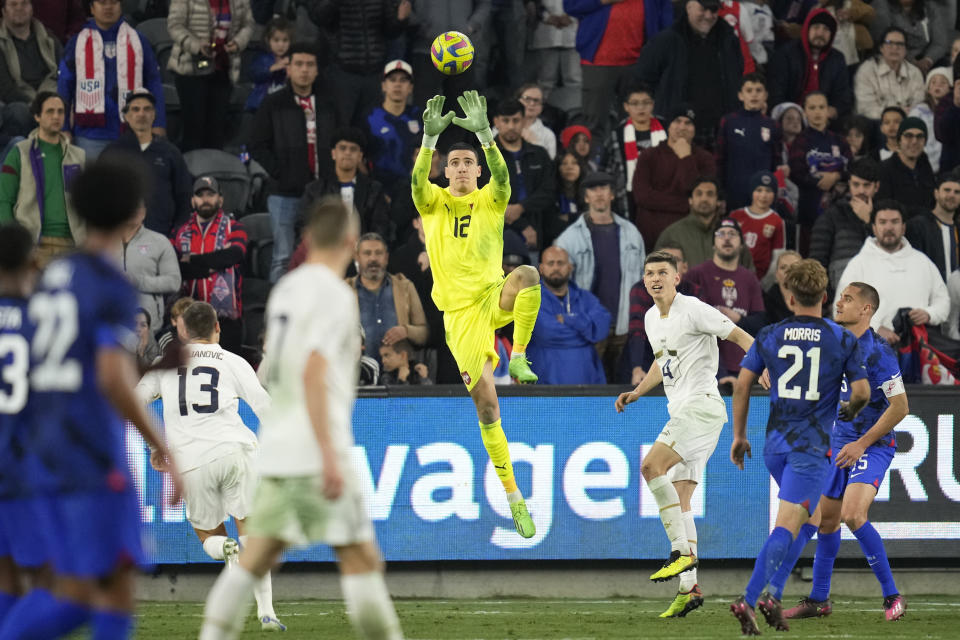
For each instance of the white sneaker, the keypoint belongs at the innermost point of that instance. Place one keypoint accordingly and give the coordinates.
(268, 623)
(231, 551)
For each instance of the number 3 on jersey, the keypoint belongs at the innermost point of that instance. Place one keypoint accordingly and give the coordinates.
(796, 354)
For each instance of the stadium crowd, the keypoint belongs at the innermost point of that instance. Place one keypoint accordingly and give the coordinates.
(739, 135)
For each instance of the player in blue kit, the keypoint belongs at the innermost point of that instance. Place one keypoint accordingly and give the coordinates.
(807, 357)
(863, 449)
(20, 553)
(82, 379)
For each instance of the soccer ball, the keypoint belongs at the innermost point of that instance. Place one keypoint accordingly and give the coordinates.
(452, 53)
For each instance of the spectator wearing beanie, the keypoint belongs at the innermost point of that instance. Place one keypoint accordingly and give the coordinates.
(939, 84)
(812, 64)
(907, 176)
(578, 139)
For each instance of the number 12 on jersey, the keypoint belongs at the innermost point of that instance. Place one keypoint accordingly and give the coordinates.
(795, 353)
(460, 226)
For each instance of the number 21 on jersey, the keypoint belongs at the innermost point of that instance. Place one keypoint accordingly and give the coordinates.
(795, 353)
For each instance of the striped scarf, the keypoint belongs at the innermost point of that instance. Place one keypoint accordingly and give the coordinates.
(91, 84)
(630, 150)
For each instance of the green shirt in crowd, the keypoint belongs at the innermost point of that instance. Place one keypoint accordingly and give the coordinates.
(55, 224)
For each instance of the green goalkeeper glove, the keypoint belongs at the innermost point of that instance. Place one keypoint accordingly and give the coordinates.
(435, 121)
(475, 109)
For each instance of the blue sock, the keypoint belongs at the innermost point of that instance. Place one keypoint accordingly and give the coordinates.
(40, 616)
(7, 600)
(828, 546)
(111, 625)
(872, 545)
(779, 579)
(774, 550)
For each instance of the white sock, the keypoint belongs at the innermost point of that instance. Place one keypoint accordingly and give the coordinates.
(214, 546)
(262, 591)
(514, 497)
(670, 514)
(369, 606)
(227, 604)
(688, 579)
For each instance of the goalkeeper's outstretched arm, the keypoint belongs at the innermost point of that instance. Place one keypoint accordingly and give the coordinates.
(434, 122)
(475, 109)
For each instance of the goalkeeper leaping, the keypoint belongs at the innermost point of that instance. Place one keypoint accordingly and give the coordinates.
(463, 227)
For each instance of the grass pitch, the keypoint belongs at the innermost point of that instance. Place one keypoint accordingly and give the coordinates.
(933, 617)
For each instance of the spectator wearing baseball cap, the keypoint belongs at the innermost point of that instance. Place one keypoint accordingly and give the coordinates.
(393, 127)
(907, 176)
(665, 172)
(168, 199)
(729, 287)
(211, 246)
(763, 229)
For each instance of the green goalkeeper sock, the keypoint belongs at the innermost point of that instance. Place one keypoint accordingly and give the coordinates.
(525, 309)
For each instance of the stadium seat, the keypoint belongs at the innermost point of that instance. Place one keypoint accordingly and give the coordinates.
(259, 245)
(229, 171)
(174, 113)
(258, 183)
(156, 33)
(254, 293)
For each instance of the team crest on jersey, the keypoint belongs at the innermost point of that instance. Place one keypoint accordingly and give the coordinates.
(835, 149)
(765, 134)
(768, 231)
(414, 126)
(750, 239)
(729, 292)
(466, 378)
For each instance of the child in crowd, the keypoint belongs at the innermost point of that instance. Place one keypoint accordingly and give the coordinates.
(748, 142)
(399, 367)
(789, 115)
(939, 84)
(763, 229)
(858, 131)
(890, 119)
(269, 69)
(577, 138)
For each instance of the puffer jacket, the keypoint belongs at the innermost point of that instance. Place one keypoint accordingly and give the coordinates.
(362, 27)
(190, 24)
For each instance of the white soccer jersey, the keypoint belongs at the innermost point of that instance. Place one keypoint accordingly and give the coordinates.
(310, 310)
(200, 403)
(684, 344)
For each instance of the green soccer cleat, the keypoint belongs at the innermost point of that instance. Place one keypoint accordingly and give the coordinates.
(231, 551)
(522, 520)
(520, 369)
(684, 603)
(674, 566)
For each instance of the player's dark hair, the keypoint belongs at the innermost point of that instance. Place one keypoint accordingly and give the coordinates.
(199, 320)
(36, 106)
(807, 281)
(108, 192)
(508, 108)
(866, 169)
(348, 134)
(815, 93)
(661, 256)
(756, 77)
(463, 146)
(328, 221)
(16, 245)
(699, 180)
(868, 293)
(371, 236)
(887, 205)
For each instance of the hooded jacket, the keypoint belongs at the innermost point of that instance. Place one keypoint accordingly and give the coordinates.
(904, 278)
(792, 64)
(150, 262)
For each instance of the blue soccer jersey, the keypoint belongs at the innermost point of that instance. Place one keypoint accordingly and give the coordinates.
(807, 358)
(15, 337)
(83, 304)
(883, 373)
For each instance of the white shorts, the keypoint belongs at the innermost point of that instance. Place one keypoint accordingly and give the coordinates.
(692, 432)
(221, 488)
(294, 511)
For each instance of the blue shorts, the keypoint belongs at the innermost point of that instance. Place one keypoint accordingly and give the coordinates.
(869, 469)
(21, 536)
(800, 476)
(95, 532)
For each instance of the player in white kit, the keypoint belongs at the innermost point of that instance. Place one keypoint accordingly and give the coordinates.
(683, 333)
(210, 442)
(308, 490)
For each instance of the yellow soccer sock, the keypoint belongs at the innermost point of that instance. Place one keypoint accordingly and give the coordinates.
(525, 309)
(496, 443)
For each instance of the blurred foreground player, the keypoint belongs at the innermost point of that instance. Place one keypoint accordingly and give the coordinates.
(82, 379)
(213, 448)
(807, 357)
(682, 332)
(863, 450)
(463, 229)
(308, 489)
(21, 553)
